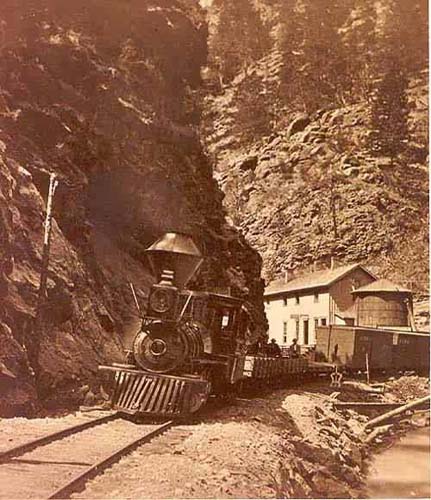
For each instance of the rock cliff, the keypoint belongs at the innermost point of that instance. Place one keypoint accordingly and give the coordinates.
(104, 94)
(313, 158)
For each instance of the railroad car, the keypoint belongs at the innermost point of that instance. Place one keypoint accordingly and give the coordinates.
(191, 344)
(386, 349)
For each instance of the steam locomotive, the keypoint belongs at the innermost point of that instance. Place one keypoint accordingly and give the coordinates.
(191, 344)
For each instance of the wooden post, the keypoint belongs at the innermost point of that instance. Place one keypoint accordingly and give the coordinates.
(329, 343)
(411, 317)
(367, 365)
(53, 183)
(34, 342)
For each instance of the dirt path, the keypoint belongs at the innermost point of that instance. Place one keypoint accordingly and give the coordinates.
(289, 443)
(248, 449)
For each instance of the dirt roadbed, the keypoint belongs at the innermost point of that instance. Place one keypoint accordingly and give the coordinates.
(289, 443)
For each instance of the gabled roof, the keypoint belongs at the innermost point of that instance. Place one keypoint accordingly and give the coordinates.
(382, 285)
(318, 279)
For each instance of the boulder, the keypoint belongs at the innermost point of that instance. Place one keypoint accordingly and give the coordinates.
(298, 124)
(249, 163)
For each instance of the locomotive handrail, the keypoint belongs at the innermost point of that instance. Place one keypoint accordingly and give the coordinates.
(189, 298)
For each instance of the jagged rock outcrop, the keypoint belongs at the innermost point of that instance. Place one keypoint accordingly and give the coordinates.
(103, 93)
(305, 186)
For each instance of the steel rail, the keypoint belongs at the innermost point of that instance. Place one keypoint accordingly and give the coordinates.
(30, 445)
(78, 482)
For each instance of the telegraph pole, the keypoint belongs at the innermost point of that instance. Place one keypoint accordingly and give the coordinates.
(53, 183)
(41, 296)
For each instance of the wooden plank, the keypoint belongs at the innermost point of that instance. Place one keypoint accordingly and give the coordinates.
(155, 396)
(127, 389)
(399, 411)
(119, 379)
(132, 394)
(168, 402)
(149, 391)
(377, 432)
(343, 405)
(133, 404)
(162, 393)
(144, 393)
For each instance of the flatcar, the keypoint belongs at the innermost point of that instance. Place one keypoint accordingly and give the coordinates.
(191, 344)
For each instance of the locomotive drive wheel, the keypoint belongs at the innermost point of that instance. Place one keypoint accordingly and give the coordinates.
(160, 348)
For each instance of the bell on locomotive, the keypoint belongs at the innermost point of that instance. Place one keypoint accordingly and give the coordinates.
(164, 344)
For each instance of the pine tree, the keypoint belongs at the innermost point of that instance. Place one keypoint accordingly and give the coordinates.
(315, 60)
(401, 50)
(240, 37)
(389, 111)
(359, 40)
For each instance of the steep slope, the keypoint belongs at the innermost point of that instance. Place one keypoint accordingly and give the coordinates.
(103, 94)
(313, 159)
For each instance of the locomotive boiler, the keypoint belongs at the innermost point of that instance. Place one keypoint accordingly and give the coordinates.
(189, 343)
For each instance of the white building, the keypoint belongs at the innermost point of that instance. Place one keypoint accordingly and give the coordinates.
(294, 308)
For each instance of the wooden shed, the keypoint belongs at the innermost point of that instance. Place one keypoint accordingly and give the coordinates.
(383, 304)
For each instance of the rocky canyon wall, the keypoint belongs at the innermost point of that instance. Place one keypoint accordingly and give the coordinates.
(104, 94)
(317, 118)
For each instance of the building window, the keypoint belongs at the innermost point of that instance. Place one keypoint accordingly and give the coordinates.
(297, 299)
(284, 332)
(316, 322)
(297, 328)
(285, 302)
(316, 297)
(323, 321)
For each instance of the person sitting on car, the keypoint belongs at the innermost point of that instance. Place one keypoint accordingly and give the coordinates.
(294, 349)
(273, 349)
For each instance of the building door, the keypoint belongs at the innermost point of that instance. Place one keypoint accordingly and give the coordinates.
(305, 332)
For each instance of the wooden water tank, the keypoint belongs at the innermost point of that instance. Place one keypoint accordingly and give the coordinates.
(383, 303)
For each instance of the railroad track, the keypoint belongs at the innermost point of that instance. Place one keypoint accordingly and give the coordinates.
(59, 464)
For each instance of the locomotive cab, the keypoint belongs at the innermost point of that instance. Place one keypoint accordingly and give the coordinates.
(225, 322)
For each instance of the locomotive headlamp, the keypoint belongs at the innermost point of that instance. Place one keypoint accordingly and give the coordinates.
(161, 300)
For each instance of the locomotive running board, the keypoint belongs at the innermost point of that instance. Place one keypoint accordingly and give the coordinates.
(138, 392)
